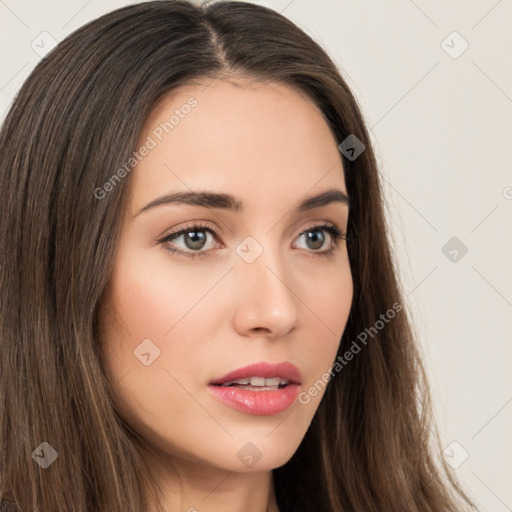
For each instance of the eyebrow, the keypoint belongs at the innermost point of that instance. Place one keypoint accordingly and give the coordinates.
(230, 203)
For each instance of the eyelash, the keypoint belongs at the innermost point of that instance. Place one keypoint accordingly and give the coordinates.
(336, 234)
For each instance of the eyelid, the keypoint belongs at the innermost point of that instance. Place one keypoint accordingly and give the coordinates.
(190, 226)
(316, 224)
(199, 224)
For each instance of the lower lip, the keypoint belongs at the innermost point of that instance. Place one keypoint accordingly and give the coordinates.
(259, 403)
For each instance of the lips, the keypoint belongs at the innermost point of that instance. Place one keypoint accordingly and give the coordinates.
(286, 371)
(260, 389)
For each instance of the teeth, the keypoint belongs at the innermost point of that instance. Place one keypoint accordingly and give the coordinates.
(240, 381)
(258, 381)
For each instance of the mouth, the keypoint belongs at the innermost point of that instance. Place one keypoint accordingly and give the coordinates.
(261, 389)
(261, 375)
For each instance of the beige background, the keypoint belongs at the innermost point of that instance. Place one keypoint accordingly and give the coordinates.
(441, 120)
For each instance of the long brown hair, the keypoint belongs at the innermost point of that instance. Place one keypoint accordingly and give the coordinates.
(371, 446)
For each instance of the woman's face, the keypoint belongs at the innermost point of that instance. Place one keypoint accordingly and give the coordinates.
(268, 283)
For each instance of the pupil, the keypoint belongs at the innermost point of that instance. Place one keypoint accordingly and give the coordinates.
(317, 238)
(197, 238)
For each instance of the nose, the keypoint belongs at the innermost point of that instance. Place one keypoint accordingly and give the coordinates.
(266, 301)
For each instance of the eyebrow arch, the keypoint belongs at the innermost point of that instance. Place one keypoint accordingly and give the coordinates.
(230, 203)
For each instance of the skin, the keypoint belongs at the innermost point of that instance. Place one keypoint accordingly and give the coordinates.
(270, 147)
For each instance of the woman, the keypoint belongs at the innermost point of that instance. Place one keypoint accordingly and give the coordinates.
(200, 309)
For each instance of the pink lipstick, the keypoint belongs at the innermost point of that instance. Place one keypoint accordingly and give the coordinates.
(261, 389)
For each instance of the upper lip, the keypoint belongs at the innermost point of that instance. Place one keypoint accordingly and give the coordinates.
(284, 370)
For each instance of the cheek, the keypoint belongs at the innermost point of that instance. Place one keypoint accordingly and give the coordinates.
(167, 318)
(162, 321)
(329, 308)
(335, 298)
(327, 292)
(158, 302)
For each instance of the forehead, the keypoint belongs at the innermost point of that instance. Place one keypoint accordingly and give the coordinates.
(253, 140)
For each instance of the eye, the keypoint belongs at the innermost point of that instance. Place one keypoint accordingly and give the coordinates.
(194, 240)
(315, 238)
